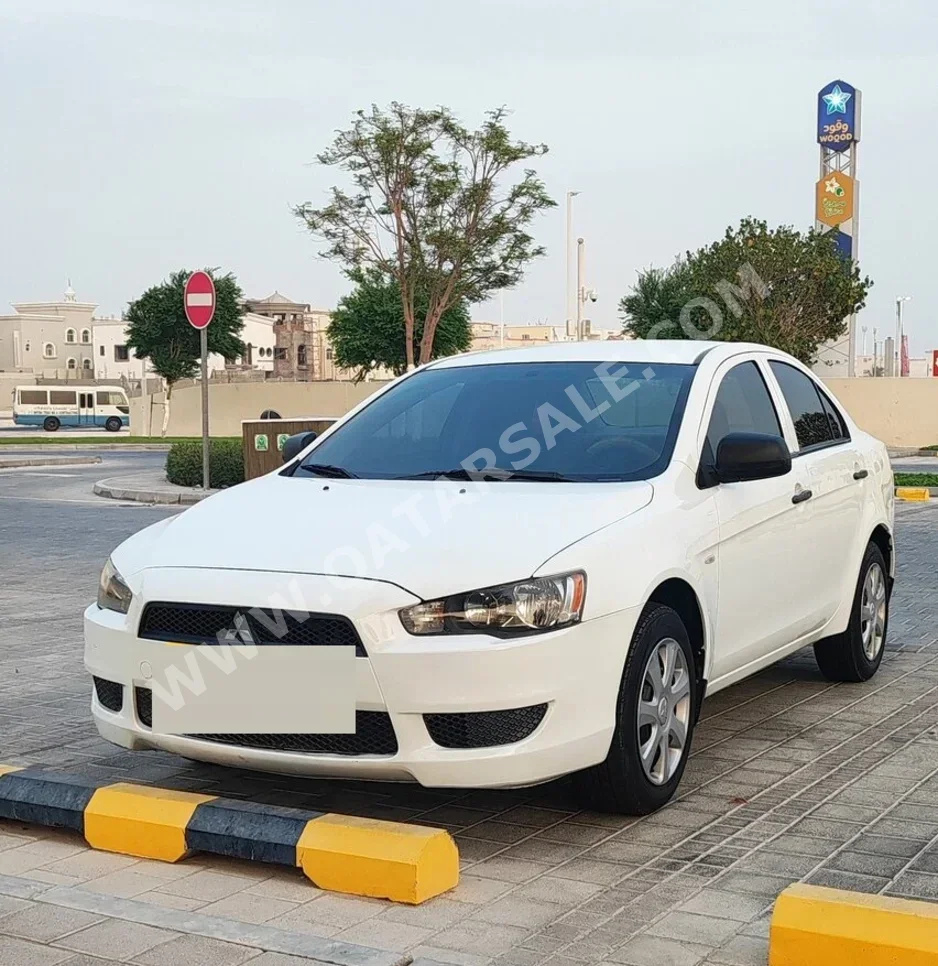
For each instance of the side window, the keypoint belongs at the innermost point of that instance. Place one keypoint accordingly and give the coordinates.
(834, 417)
(742, 405)
(812, 424)
(101, 399)
(62, 397)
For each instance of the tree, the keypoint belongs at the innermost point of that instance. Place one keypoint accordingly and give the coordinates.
(429, 210)
(367, 329)
(780, 287)
(158, 330)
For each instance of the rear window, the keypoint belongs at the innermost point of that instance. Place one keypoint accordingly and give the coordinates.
(34, 397)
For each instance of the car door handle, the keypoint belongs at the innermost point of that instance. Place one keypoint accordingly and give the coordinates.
(801, 496)
(861, 474)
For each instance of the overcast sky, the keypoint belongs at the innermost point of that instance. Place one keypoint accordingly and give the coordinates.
(141, 136)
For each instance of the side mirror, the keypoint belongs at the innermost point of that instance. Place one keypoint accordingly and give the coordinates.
(294, 445)
(751, 456)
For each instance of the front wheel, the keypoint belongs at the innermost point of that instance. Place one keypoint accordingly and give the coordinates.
(50, 424)
(113, 424)
(655, 717)
(856, 654)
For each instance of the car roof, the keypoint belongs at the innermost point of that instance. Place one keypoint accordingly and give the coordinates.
(683, 351)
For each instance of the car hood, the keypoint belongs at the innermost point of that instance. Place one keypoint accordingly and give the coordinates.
(431, 538)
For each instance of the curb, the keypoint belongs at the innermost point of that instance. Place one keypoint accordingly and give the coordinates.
(11, 462)
(814, 926)
(916, 494)
(337, 853)
(110, 447)
(109, 489)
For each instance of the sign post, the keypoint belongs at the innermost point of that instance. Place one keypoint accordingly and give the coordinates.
(199, 304)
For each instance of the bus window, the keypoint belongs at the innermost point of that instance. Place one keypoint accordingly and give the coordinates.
(36, 397)
(62, 397)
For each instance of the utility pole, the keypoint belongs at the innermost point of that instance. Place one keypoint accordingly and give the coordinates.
(568, 255)
(899, 300)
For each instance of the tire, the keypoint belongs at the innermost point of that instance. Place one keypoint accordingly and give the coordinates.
(50, 424)
(622, 784)
(112, 424)
(856, 654)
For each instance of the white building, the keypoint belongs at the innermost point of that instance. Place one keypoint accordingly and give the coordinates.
(115, 360)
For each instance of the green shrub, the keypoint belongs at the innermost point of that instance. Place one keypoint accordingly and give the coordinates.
(226, 463)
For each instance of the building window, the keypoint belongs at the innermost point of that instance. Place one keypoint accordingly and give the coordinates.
(301, 355)
(70, 337)
(280, 353)
(100, 350)
(86, 336)
(121, 353)
(328, 353)
(86, 363)
(72, 363)
(48, 350)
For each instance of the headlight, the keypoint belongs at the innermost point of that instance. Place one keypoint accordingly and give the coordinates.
(113, 593)
(527, 607)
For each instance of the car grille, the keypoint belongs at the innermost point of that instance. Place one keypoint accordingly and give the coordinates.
(374, 735)
(484, 729)
(203, 623)
(110, 694)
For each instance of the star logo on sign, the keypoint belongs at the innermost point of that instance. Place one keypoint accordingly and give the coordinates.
(836, 101)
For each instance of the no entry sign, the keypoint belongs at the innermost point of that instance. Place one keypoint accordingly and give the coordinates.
(199, 299)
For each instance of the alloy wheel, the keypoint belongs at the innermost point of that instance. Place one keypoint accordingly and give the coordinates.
(664, 711)
(873, 612)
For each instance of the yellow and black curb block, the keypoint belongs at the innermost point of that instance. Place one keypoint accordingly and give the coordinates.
(913, 493)
(340, 853)
(813, 926)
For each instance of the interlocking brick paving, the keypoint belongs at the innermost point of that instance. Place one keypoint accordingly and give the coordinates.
(792, 779)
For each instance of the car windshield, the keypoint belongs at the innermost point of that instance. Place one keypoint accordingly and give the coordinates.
(554, 421)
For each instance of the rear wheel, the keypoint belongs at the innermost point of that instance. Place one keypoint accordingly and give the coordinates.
(856, 654)
(654, 720)
(112, 424)
(50, 424)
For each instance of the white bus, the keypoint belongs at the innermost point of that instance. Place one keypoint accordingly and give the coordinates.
(51, 408)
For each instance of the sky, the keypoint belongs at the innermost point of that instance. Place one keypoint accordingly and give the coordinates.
(142, 136)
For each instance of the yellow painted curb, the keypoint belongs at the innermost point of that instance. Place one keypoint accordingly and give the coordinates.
(149, 823)
(385, 860)
(812, 926)
(912, 493)
(9, 769)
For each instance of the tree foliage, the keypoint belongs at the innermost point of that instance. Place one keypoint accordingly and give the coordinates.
(430, 210)
(159, 331)
(780, 287)
(367, 330)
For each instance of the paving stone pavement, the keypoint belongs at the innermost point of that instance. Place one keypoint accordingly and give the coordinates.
(791, 779)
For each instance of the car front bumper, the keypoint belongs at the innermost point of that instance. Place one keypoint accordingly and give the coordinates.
(574, 672)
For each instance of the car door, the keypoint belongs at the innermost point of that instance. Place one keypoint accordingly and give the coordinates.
(823, 453)
(762, 532)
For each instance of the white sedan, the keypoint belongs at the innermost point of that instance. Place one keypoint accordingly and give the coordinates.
(520, 564)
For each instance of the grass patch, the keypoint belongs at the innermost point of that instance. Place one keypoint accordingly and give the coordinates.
(107, 438)
(917, 479)
(933, 447)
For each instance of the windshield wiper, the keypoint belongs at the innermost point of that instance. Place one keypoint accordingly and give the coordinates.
(326, 469)
(492, 475)
(456, 474)
(547, 476)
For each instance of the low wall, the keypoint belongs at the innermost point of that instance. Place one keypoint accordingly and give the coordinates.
(900, 412)
(230, 403)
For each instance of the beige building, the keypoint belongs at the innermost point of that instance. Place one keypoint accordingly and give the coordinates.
(51, 339)
(302, 351)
